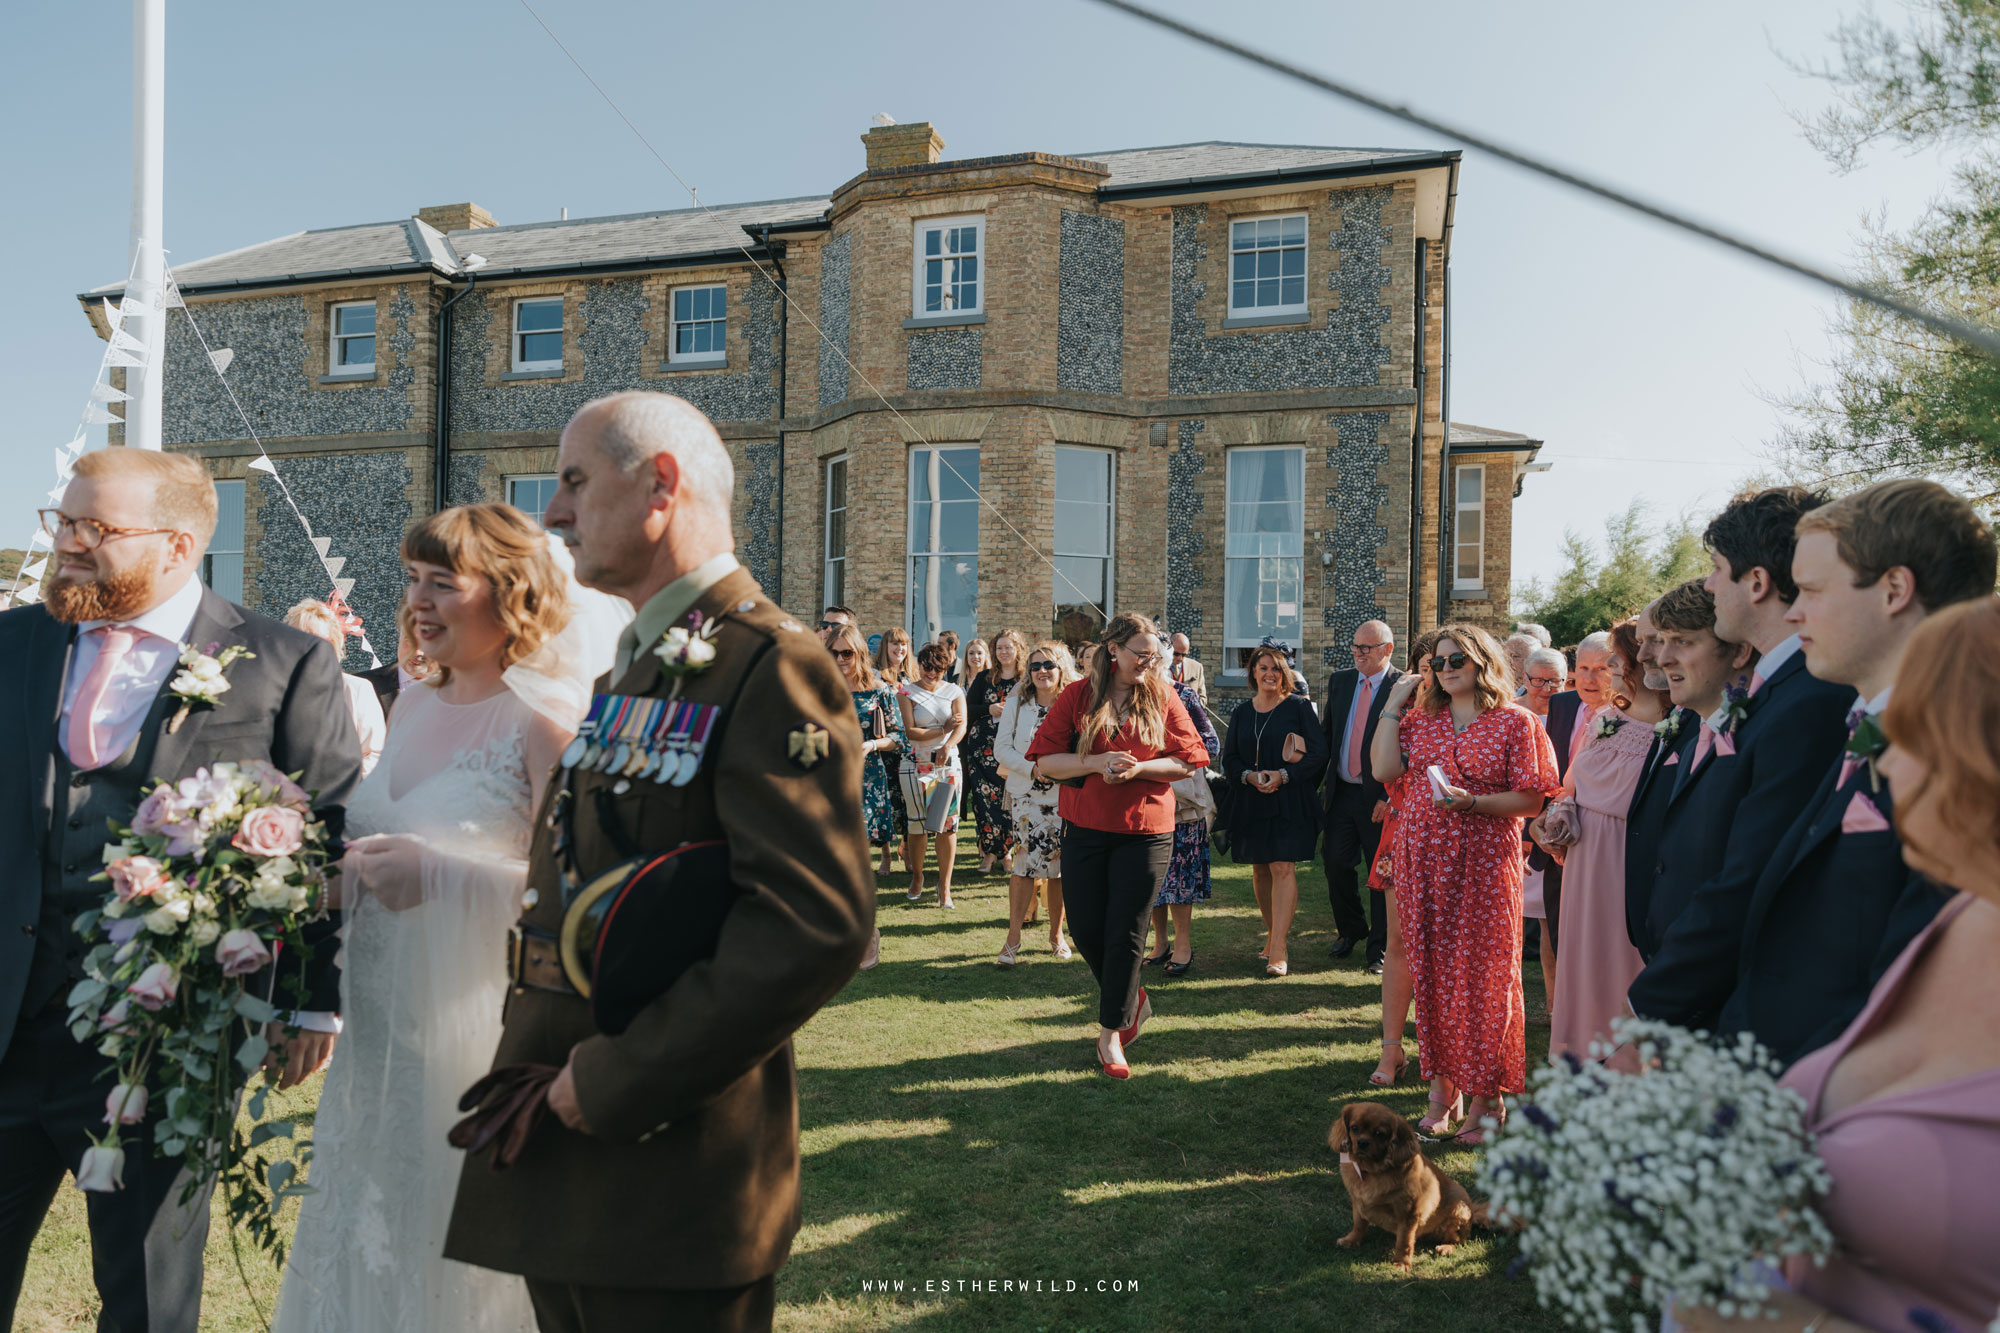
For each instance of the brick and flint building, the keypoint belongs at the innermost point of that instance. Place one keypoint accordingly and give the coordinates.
(1205, 382)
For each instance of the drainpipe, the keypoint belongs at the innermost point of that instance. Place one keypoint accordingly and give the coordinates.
(1444, 459)
(441, 451)
(1417, 467)
(784, 324)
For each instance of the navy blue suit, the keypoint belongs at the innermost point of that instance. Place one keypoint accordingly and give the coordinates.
(1564, 710)
(1831, 912)
(1646, 822)
(1723, 821)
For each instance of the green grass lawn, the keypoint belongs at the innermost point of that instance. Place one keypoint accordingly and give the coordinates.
(956, 1131)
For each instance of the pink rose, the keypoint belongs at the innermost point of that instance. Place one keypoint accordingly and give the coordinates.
(126, 1105)
(102, 1170)
(113, 1019)
(155, 812)
(138, 877)
(271, 830)
(155, 987)
(241, 952)
(270, 778)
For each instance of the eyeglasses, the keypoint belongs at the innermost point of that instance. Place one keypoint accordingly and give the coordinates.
(1545, 683)
(90, 534)
(1143, 659)
(1371, 647)
(831, 624)
(1041, 666)
(1452, 663)
(842, 654)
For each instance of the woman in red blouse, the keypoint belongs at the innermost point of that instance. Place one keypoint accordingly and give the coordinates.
(1118, 740)
(1458, 867)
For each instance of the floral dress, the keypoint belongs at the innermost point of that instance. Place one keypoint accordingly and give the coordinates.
(983, 783)
(1037, 824)
(1458, 894)
(1186, 880)
(883, 826)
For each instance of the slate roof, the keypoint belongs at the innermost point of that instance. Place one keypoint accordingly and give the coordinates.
(412, 246)
(1486, 440)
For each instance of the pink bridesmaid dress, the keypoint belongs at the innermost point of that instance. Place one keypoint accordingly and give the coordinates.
(1915, 1206)
(1596, 964)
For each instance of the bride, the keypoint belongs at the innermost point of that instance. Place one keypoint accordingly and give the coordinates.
(432, 881)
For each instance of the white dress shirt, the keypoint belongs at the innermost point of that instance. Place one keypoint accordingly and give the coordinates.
(1767, 665)
(1356, 718)
(136, 681)
(369, 724)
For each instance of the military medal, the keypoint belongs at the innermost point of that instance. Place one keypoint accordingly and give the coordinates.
(656, 737)
(641, 740)
(691, 761)
(574, 753)
(683, 717)
(614, 736)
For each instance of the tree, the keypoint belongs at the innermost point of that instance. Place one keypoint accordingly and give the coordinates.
(1638, 564)
(1900, 399)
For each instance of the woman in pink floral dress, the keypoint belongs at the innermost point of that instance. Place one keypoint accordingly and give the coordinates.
(1458, 868)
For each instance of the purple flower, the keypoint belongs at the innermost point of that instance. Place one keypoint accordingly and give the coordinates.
(1539, 1118)
(1619, 1201)
(1518, 1266)
(1575, 1065)
(1725, 1119)
(1784, 1169)
(120, 929)
(1531, 1167)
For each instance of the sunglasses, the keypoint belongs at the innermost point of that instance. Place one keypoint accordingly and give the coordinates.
(842, 654)
(1041, 666)
(831, 624)
(1452, 663)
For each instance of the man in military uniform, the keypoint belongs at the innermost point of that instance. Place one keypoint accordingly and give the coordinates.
(668, 1194)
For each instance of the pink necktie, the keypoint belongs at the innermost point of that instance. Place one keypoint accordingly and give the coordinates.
(1756, 684)
(1362, 693)
(85, 736)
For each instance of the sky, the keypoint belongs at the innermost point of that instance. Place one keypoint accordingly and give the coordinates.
(1647, 360)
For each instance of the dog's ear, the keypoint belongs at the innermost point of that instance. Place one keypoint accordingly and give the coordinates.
(1336, 1138)
(1403, 1145)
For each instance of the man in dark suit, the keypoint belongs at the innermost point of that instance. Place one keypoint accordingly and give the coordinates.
(387, 679)
(664, 1191)
(1353, 803)
(85, 706)
(1564, 710)
(1836, 904)
(1754, 767)
(1696, 667)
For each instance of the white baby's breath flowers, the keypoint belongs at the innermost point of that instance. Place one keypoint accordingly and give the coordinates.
(1672, 1184)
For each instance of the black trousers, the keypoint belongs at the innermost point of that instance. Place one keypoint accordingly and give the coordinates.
(145, 1250)
(1109, 883)
(563, 1308)
(1352, 840)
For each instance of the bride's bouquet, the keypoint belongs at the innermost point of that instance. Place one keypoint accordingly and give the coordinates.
(216, 876)
(1673, 1184)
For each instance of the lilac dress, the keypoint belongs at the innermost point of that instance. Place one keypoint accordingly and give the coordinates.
(1914, 1210)
(1597, 963)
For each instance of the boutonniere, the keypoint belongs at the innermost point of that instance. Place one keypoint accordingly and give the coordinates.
(1735, 707)
(687, 650)
(1668, 727)
(1606, 726)
(1866, 744)
(200, 680)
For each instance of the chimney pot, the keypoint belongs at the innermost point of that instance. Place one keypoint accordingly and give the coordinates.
(912, 145)
(455, 217)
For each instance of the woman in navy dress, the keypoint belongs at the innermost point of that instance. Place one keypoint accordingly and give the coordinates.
(1274, 815)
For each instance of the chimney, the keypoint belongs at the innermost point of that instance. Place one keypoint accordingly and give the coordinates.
(455, 217)
(914, 145)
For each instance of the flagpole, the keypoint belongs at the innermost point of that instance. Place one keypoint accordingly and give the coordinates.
(149, 112)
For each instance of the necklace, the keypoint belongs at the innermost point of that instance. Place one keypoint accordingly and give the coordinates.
(1263, 721)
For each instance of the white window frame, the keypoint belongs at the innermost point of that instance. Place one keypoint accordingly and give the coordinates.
(1461, 581)
(1110, 553)
(228, 495)
(559, 330)
(910, 552)
(677, 357)
(1254, 311)
(336, 339)
(924, 227)
(1230, 648)
(537, 478)
(833, 568)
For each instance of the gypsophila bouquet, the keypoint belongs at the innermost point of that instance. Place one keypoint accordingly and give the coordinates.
(217, 875)
(1673, 1184)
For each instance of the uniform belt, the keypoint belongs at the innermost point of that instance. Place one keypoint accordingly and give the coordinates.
(534, 962)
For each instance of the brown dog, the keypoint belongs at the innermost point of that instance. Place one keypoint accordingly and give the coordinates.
(1393, 1185)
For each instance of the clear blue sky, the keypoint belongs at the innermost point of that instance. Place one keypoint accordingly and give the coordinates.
(1643, 358)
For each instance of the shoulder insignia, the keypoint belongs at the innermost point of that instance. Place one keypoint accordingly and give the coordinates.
(808, 745)
(745, 605)
(790, 625)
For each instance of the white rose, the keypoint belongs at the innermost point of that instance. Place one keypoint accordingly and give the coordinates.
(119, 851)
(167, 918)
(203, 905)
(185, 684)
(269, 894)
(206, 668)
(204, 932)
(700, 652)
(301, 898)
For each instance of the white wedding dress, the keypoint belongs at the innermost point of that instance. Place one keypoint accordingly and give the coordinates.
(421, 997)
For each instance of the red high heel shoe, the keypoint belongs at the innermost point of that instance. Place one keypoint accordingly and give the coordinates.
(1126, 1036)
(1117, 1071)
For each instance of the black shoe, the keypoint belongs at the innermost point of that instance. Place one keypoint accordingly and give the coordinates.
(1154, 960)
(1180, 969)
(1343, 945)
(1375, 967)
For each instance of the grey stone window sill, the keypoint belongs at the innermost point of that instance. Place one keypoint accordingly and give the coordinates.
(555, 374)
(713, 363)
(943, 321)
(1469, 595)
(1264, 321)
(347, 378)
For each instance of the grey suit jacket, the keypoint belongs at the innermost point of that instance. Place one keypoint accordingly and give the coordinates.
(286, 705)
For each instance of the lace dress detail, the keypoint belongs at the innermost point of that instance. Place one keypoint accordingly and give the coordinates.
(421, 998)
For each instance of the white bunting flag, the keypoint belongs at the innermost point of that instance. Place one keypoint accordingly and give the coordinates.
(39, 539)
(101, 392)
(34, 572)
(173, 299)
(334, 564)
(222, 356)
(320, 544)
(117, 356)
(95, 415)
(125, 341)
(346, 586)
(74, 447)
(263, 464)
(114, 314)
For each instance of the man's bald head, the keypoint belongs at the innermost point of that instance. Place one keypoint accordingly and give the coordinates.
(1181, 645)
(1373, 645)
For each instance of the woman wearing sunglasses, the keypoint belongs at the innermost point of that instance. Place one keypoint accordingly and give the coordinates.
(1458, 868)
(1037, 824)
(1122, 739)
(881, 729)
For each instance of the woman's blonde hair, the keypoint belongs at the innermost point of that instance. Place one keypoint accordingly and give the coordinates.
(503, 545)
(850, 637)
(317, 619)
(1020, 642)
(1058, 652)
(985, 650)
(1946, 713)
(1493, 678)
(1145, 708)
(894, 674)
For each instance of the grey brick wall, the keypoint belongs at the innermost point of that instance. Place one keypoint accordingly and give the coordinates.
(759, 479)
(1185, 542)
(467, 483)
(1355, 534)
(834, 271)
(944, 358)
(361, 502)
(1090, 304)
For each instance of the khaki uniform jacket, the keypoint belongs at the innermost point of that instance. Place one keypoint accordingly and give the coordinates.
(1195, 677)
(690, 1175)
